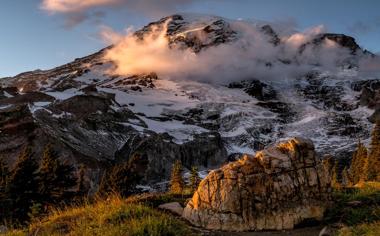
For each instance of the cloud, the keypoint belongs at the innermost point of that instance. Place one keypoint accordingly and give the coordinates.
(76, 11)
(361, 27)
(370, 66)
(74, 6)
(73, 19)
(251, 56)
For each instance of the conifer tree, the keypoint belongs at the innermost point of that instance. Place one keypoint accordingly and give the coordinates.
(80, 184)
(176, 180)
(328, 165)
(4, 175)
(346, 178)
(359, 164)
(334, 176)
(23, 184)
(194, 179)
(374, 155)
(121, 179)
(55, 177)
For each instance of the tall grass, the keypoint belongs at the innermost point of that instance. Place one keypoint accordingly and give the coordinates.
(113, 216)
(358, 209)
(372, 229)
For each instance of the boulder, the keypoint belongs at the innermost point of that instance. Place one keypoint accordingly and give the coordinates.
(282, 186)
(173, 207)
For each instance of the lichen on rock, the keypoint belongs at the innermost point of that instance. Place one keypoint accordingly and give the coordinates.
(277, 189)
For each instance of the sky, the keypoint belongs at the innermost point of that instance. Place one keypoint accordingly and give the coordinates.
(42, 34)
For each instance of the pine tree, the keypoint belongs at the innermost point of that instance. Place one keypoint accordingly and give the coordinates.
(374, 156)
(176, 180)
(359, 164)
(23, 184)
(334, 176)
(122, 178)
(194, 179)
(328, 165)
(80, 185)
(4, 175)
(55, 177)
(346, 178)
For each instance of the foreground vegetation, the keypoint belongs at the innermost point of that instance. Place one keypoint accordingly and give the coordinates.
(36, 188)
(372, 229)
(113, 216)
(357, 210)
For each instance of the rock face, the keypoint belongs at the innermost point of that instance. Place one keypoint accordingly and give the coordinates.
(277, 189)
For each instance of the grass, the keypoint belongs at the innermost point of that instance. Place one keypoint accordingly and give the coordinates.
(372, 229)
(358, 209)
(114, 216)
(156, 199)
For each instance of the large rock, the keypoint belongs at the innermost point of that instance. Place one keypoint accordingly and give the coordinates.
(173, 207)
(277, 189)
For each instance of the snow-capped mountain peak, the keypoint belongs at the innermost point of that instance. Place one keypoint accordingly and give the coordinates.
(212, 88)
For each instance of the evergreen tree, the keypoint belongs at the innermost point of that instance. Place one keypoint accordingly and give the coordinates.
(176, 180)
(334, 176)
(346, 178)
(55, 177)
(122, 178)
(194, 179)
(81, 186)
(374, 156)
(23, 184)
(359, 164)
(4, 175)
(328, 165)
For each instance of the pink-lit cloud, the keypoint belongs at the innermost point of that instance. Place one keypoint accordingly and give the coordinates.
(240, 59)
(70, 6)
(76, 11)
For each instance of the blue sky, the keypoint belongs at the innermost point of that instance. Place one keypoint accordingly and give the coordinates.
(31, 38)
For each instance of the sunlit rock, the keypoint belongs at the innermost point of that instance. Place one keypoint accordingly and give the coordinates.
(277, 189)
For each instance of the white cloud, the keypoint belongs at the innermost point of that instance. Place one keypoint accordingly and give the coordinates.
(244, 58)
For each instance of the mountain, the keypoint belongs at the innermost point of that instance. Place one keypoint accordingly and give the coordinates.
(98, 118)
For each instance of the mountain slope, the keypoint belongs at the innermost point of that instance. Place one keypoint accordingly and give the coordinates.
(98, 117)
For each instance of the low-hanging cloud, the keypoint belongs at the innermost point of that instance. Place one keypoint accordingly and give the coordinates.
(250, 56)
